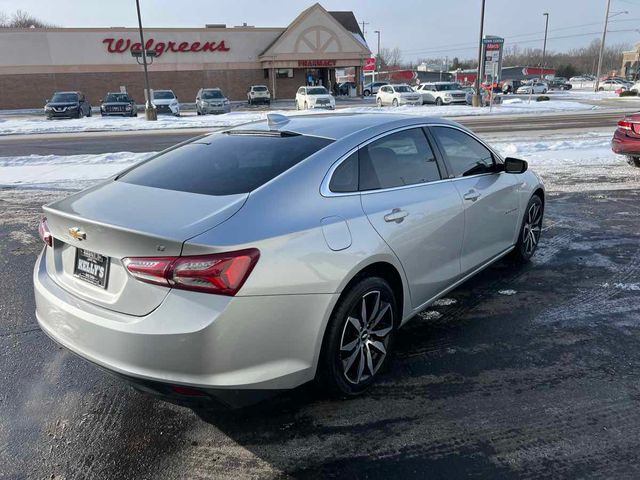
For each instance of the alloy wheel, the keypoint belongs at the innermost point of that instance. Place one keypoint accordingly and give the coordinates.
(532, 229)
(365, 337)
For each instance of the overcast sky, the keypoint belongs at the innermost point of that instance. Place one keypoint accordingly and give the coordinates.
(420, 28)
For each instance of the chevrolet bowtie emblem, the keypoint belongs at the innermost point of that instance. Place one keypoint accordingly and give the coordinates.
(78, 234)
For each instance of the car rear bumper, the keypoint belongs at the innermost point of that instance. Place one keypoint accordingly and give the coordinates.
(193, 339)
(625, 145)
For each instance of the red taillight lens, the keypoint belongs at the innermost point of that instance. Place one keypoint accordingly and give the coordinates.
(220, 273)
(150, 269)
(45, 234)
(625, 125)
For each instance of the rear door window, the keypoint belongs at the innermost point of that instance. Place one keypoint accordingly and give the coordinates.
(224, 164)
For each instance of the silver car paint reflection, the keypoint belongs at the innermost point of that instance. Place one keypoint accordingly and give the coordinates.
(312, 242)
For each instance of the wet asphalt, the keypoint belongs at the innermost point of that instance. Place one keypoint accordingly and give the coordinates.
(523, 372)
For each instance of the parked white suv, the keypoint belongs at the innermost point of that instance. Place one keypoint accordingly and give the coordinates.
(258, 94)
(441, 93)
(166, 102)
(395, 95)
(314, 97)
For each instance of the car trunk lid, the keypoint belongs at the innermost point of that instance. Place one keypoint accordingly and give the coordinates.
(116, 220)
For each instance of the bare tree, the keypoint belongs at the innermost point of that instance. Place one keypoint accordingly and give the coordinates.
(390, 58)
(21, 19)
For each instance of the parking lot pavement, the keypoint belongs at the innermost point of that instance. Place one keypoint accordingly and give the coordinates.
(528, 372)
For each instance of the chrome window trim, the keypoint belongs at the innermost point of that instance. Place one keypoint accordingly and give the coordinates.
(324, 186)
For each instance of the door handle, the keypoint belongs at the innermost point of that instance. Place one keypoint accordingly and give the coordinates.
(472, 195)
(396, 215)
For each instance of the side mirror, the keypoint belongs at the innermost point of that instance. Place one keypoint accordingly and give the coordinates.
(100, 101)
(514, 165)
(46, 101)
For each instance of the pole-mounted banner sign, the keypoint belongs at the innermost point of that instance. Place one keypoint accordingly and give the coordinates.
(492, 47)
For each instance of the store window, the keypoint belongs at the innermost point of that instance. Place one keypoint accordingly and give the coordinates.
(284, 73)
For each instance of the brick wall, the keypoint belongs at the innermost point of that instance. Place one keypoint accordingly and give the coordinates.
(31, 90)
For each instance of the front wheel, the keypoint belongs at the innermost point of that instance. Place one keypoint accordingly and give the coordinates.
(306, 106)
(379, 102)
(601, 89)
(394, 102)
(359, 338)
(366, 93)
(438, 102)
(530, 231)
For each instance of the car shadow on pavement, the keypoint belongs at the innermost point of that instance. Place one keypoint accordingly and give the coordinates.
(522, 371)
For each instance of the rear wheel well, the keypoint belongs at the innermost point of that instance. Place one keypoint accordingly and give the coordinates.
(387, 272)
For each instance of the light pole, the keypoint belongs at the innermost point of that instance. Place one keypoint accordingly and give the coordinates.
(377, 32)
(544, 45)
(477, 99)
(149, 111)
(604, 35)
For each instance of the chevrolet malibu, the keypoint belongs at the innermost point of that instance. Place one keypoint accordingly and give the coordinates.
(278, 252)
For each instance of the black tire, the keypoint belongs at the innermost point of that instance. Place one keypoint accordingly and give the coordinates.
(530, 231)
(438, 102)
(352, 357)
(379, 102)
(601, 89)
(90, 113)
(394, 102)
(633, 161)
(366, 93)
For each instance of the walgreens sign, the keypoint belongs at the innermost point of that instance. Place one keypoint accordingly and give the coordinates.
(122, 45)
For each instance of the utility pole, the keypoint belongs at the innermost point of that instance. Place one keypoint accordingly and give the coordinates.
(477, 98)
(363, 24)
(149, 110)
(544, 46)
(604, 34)
(377, 32)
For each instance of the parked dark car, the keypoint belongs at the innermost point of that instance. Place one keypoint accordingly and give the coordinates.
(626, 139)
(559, 84)
(343, 88)
(118, 103)
(67, 105)
(510, 86)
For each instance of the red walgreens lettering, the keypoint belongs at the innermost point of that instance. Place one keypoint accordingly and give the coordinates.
(121, 45)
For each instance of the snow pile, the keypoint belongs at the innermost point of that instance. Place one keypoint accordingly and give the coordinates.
(14, 126)
(67, 172)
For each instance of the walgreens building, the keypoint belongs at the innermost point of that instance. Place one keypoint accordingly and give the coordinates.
(36, 62)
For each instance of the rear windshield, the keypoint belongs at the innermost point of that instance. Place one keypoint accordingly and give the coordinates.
(224, 164)
(260, 88)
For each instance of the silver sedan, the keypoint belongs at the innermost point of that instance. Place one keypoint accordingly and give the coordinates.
(278, 252)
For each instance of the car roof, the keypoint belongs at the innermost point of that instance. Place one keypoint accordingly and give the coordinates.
(213, 88)
(75, 91)
(339, 125)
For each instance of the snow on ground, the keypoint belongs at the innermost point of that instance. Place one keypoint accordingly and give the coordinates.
(35, 125)
(582, 163)
(69, 172)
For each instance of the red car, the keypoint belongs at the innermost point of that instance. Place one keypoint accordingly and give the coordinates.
(626, 139)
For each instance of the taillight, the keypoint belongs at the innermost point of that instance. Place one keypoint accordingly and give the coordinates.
(45, 234)
(625, 125)
(220, 273)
